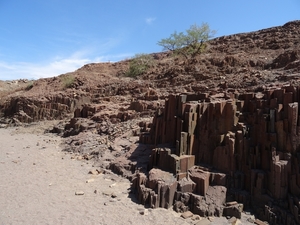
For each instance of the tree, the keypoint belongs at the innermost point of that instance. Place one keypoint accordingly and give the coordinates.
(188, 44)
(139, 64)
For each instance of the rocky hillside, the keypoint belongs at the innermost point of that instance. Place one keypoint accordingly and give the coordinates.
(248, 61)
(103, 113)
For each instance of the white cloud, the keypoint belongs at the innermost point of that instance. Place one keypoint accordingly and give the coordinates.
(150, 20)
(5, 66)
(53, 67)
(93, 52)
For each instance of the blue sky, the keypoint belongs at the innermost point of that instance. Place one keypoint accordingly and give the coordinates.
(47, 38)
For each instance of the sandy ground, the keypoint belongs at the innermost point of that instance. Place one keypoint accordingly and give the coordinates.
(39, 183)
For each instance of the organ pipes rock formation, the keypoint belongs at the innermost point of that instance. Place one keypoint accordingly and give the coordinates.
(228, 147)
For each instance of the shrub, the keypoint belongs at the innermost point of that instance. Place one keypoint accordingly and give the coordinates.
(139, 64)
(67, 81)
(29, 86)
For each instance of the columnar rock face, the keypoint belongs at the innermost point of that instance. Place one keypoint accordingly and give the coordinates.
(28, 110)
(251, 140)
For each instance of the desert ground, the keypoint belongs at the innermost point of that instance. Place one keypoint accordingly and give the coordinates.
(41, 184)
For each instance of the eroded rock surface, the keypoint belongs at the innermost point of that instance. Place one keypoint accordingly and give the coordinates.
(248, 143)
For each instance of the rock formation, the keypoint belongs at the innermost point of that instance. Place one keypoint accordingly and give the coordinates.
(248, 143)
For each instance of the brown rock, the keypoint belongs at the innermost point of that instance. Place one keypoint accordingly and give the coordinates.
(186, 185)
(233, 211)
(187, 214)
(201, 179)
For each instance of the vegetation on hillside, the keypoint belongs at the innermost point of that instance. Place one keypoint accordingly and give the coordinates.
(29, 86)
(189, 44)
(139, 64)
(67, 81)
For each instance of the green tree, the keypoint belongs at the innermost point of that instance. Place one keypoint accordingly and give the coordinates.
(139, 64)
(188, 44)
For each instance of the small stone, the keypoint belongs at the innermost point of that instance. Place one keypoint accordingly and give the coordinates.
(112, 185)
(95, 191)
(105, 193)
(99, 171)
(89, 180)
(196, 217)
(113, 195)
(232, 220)
(187, 214)
(94, 172)
(144, 212)
(211, 219)
(79, 193)
(250, 220)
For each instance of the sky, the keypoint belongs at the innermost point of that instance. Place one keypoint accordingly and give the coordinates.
(48, 38)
